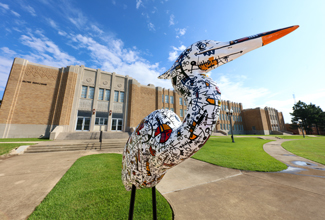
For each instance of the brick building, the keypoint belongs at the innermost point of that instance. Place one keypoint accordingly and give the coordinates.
(46, 101)
(263, 121)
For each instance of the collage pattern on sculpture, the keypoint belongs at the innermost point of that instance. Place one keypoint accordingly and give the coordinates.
(161, 140)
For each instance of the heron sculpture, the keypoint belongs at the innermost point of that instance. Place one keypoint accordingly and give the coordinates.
(161, 140)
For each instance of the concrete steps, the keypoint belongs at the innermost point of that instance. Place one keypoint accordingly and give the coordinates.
(111, 146)
(88, 135)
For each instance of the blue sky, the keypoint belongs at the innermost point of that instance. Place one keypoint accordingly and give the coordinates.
(142, 38)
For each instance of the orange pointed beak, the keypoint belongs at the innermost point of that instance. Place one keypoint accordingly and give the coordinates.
(271, 36)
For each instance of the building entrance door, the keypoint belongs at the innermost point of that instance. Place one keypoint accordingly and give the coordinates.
(117, 124)
(83, 123)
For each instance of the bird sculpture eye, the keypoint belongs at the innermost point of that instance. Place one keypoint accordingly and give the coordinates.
(202, 46)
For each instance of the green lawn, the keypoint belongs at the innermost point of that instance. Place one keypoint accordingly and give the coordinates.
(312, 149)
(92, 189)
(7, 147)
(244, 154)
(22, 139)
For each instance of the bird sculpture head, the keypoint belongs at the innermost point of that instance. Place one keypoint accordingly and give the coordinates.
(206, 55)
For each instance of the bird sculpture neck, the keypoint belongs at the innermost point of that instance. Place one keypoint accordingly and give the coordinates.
(203, 97)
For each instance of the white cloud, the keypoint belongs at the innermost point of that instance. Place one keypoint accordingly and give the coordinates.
(96, 29)
(62, 33)
(138, 3)
(6, 59)
(175, 53)
(171, 20)
(7, 51)
(15, 13)
(45, 51)
(52, 23)
(30, 9)
(16, 29)
(180, 32)
(236, 91)
(151, 26)
(113, 57)
(4, 6)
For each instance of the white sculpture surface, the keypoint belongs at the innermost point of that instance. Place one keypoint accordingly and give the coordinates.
(161, 140)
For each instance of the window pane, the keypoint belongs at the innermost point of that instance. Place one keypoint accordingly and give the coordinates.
(113, 124)
(97, 121)
(172, 109)
(91, 93)
(84, 92)
(184, 102)
(115, 96)
(119, 126)
(166, 98)
(185, 112)
(101, 94)
(107, 94)
(121, 96)
(105, 121)
(180, 101)
(171, 99)
(166, 108)
(181, 112)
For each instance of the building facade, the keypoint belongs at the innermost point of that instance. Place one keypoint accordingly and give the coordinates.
(44, 101)
(235, 119)
(263, 121)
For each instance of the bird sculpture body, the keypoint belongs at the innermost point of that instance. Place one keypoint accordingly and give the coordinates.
(161, 140)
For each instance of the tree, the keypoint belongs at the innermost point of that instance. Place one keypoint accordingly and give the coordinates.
(310, 115)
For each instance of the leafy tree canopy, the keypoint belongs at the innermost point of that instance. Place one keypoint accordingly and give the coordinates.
(309, 114)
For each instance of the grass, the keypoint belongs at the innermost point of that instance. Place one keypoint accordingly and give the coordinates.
(244, 154)
(22, 139)
(7, 147)
(92, 189)
(312, 149)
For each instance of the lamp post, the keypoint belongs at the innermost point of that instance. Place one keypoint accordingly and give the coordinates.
(302, 130)
(229, 114)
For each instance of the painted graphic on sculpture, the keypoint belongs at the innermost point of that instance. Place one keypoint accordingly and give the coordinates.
(161, 140)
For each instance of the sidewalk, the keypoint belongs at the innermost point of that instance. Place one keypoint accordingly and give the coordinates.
(195, 189)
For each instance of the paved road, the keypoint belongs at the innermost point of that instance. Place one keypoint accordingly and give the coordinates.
(195, 189)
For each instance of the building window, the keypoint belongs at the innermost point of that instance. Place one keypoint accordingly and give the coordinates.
(166, 98)
(180, 101)
(115, 96)
(181, 112)
(172, 109)
(101, 121)
(166, 108)
(91, 93)
(84, 91)
(101, 94)
(185, 112)
(121, 96)
(184, 102)
(253, 128)
(107, 95)
(171, 99)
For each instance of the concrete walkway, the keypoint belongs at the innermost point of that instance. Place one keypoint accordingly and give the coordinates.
(195, 189)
